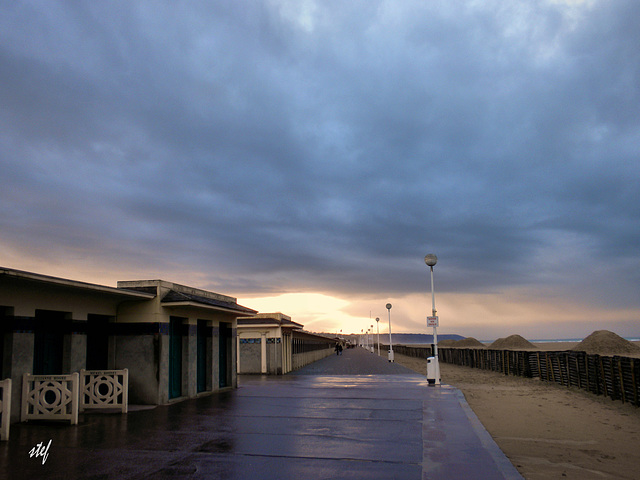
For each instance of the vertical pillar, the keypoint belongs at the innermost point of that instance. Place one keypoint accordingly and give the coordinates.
(234, 357)
(215, 355)
(18, 355)
(263, 353)
(190, 370)
(75, 348)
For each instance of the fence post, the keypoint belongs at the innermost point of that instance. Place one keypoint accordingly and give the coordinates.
(633, 380)
(604, 379)
(5, 409)
(75, 394)
(623, 393)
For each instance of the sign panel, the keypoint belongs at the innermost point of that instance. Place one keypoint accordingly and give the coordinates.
(432, 322)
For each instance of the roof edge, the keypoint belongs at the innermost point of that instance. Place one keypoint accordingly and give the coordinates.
(64, 282)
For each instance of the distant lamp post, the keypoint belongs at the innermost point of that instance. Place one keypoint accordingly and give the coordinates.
(390, 342)
(433, 371)
(373, 349)
(378, 325)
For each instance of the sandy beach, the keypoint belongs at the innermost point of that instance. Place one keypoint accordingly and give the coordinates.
(549, 431)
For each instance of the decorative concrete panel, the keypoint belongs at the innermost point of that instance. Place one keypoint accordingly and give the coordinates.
(50, 397)
(104, 389)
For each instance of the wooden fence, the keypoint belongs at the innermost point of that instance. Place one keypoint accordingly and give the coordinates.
(612, 376)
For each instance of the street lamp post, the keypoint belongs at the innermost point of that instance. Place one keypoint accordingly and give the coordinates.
(431, 260)
(378, 325)
(390, 342)
(373, 345)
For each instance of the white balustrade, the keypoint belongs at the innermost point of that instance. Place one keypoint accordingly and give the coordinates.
(5, 408)
(104, 389)
(50, 397)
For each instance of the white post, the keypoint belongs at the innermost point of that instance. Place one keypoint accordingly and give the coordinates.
(378, 325)
(5, 409)
(263, 352)
(431, 260)
(390, 341)
(435, 331)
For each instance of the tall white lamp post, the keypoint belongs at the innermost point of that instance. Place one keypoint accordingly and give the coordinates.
(432, 321)
(390, 342)
(378, 325)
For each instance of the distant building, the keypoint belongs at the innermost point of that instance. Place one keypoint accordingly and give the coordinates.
(177, 342)
(265, 343)
(271, 343)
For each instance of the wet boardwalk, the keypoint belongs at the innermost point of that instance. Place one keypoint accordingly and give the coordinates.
(350, 417)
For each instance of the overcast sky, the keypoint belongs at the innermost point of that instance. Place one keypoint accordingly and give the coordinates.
(262, 148)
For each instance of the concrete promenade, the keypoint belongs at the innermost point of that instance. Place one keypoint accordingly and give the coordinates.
(354, 416)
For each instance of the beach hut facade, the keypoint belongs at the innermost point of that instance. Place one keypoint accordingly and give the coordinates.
(265, 344)
(177, 342)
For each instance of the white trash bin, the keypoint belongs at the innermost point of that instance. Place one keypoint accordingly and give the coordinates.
(433, 371)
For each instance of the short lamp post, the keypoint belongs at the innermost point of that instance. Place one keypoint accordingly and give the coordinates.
(390, 342)
(373, 346)
(378, 325)
(431, 260)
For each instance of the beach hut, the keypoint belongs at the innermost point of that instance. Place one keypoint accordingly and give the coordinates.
(176, 341)
(265, 343)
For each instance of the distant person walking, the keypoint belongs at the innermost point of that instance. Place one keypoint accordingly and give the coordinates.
(338, 349)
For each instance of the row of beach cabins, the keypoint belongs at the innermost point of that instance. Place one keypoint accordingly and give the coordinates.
(68, 345)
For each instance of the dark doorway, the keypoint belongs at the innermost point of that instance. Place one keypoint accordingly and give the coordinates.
(202, 338)
(97, 342)
(225, 350)
(175, 357)
(49, 342)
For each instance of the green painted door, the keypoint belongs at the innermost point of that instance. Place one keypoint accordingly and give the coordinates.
(175, 357)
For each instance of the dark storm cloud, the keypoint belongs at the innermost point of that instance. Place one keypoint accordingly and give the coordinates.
(291, 145)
